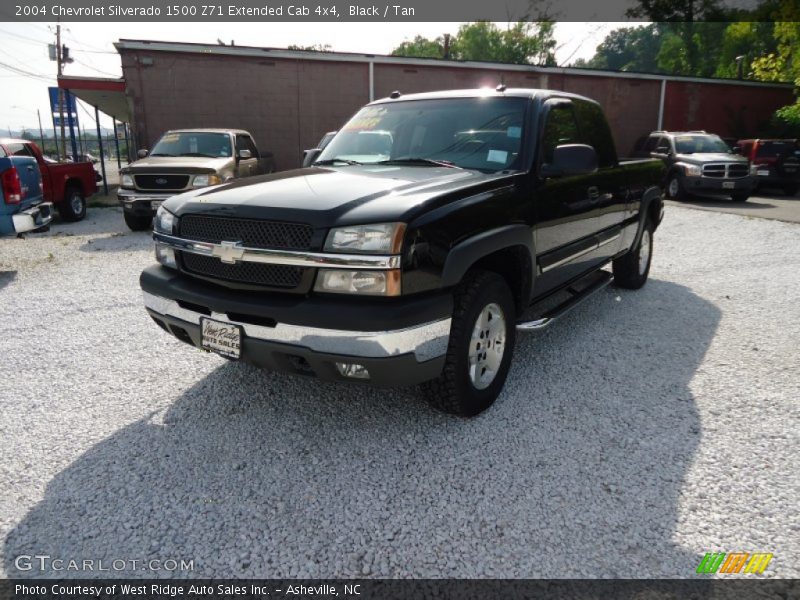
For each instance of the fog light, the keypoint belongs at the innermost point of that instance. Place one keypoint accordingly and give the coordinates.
(352, 370)
(166, 256)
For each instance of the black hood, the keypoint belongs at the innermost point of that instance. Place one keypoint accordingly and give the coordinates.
(329, 197)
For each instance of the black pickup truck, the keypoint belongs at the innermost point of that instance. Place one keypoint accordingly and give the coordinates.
(428, 232)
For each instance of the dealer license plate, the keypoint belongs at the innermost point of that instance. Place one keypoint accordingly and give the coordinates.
(222, 338)
(762, 172)
(728, 185)
(156, 204)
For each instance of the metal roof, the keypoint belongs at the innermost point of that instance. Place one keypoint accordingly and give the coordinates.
(265, 52)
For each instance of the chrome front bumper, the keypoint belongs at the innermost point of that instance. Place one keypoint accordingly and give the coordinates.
(426, 341)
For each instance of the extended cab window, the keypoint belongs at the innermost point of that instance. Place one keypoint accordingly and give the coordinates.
(483, 133)
(559, 128)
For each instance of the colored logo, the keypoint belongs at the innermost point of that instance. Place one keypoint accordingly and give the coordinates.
(734, 562)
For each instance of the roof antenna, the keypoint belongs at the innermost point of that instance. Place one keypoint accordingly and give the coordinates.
(501, 87)
(395, 94)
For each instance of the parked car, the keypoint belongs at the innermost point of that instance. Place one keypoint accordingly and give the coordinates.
(22, 205)
(419, 267)
(698, 163)
(776, 162)
(308, 155)
(186, 159)
(66, 185)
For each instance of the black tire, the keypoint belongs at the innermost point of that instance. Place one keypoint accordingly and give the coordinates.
(629, 272)
(455, 391)
(740, 197)
(138, 222)
(790, 189)
(73, 208)
(674, 189)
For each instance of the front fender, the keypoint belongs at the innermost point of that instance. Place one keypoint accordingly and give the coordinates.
(466, 253)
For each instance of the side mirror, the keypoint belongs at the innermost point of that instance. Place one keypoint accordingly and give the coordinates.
(142, 153)
(737, 149)
(245, 154)
(309, 156)
(571, 159)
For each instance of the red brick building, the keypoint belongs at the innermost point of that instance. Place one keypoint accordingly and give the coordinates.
(288, 99)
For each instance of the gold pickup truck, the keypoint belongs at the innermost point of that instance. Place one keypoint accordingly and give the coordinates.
(183, 160)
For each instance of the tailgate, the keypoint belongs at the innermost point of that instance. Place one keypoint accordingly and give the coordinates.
(30, 179)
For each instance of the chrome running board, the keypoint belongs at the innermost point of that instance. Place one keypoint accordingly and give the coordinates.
(603, 278)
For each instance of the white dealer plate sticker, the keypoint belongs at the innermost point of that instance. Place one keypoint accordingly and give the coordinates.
(729, 185)
(762, 172)
(222, 338)
(156, 204)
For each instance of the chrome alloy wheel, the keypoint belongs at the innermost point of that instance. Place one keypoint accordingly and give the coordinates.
(674, 187)
(644, 252)
(487, 346)
(76, 203)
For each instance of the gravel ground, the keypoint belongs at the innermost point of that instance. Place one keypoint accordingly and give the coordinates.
(635, 435)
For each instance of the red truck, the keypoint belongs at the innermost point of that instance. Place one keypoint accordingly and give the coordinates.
(66, 185)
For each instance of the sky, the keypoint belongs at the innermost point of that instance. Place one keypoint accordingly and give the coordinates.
(24, 46)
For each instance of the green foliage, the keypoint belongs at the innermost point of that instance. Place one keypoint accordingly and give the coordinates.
(421, 47)
(520, 43)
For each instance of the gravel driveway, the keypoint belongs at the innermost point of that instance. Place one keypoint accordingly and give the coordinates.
(640, 432)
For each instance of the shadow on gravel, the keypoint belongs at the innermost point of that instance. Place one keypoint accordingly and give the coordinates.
(7, 277)
(576, 472)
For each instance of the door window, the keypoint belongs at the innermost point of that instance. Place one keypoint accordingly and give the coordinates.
(559, 128)
(245, 142)
(19, 150)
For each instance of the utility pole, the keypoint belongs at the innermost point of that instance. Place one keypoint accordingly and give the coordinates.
(41, 131)
(61, 93)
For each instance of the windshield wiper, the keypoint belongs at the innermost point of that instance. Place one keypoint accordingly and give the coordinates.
(198, 154)
(417, 160)
(161, 154)
(331, 161)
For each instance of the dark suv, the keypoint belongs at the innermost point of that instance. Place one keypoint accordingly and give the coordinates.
(777, 163)
(698, 163)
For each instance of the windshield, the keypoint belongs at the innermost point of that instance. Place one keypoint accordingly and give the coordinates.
(773, 149)
(472, 133)
(689, 144)
(184, 143)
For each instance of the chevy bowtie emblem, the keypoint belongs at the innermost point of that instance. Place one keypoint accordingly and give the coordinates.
(229, 252)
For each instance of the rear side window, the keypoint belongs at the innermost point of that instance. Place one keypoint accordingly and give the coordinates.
(19, 150)
(594, 131)
(652, 143)
(560, 128)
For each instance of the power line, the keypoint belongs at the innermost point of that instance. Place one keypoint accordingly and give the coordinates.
(25, 73)
(24, 38)
(96, 69)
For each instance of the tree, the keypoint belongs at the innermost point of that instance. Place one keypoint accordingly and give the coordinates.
(312, 47)
(421, 47)
(628, 49)
(520, 43)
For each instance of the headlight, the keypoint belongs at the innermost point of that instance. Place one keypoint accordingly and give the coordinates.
(382, 238)
(127, 181)
(693, 170)
(205, 180)
(165, 221)
(166, 256)
(370, 283)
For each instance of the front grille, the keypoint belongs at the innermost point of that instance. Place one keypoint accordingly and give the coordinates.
(726, 170)
(260, 274)
(164, 183)
(251, 233)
